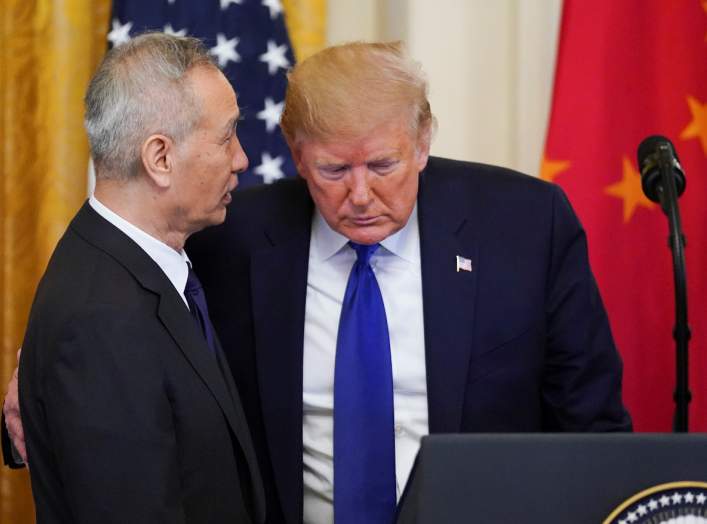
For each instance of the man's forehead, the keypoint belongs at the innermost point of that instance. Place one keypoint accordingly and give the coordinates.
(380, 145)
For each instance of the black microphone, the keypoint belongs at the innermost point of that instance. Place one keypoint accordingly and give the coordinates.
(654, 153)
(663, 181)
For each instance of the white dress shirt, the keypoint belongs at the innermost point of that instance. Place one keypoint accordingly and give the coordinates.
(172, 263)
(396, 265)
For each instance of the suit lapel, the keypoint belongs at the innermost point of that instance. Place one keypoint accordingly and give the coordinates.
(279, 290)
(446, 231)
(174, 315)
(185, 333)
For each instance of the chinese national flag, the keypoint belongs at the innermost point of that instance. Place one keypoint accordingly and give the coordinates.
(625, 70)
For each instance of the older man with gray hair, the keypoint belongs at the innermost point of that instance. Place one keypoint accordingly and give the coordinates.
(129, 408)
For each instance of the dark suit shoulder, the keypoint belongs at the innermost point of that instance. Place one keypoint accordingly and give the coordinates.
(459, 188)
(80, 274)
(285, 193)
(256, 207)
(252, 213)
(457, 174)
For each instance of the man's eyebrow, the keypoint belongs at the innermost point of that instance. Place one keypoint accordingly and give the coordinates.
(330, 163)
(391, 154)
(231, 122)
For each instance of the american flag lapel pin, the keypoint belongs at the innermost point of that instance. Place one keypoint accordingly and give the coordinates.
(463, 264)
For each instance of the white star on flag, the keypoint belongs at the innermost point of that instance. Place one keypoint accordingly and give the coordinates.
(652, 504)
(664, 501)
(275, 7)
(701, 498)
(225, 50)
(677, 498)
(169, 30)
(269, 168)
(226, 3)
(689, 497)
(642, 510)
(271, 114)
(275, 57)
(120, 33)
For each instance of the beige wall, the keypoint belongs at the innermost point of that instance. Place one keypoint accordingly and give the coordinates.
(490, 65)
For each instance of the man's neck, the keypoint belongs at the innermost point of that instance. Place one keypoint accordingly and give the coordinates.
(140, 206)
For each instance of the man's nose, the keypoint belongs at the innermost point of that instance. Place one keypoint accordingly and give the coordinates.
(239, 162)
(359, 187)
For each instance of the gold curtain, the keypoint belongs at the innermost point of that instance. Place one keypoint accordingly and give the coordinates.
(48, 51)
(306, 24)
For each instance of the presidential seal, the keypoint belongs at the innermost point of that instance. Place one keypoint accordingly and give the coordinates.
(682, 502)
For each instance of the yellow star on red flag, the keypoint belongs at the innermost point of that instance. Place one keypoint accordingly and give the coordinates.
(551, 169)
(698, 127)
(629, 190)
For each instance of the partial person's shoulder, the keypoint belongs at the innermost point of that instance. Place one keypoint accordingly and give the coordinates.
(491, 192)
(82, 274)
(284, 193)
(252, 212)
(482, 177)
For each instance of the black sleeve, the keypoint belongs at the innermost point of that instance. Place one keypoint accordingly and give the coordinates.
(582, 380)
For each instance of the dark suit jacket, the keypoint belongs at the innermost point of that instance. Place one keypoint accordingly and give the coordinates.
(127, 416)
(521, 343)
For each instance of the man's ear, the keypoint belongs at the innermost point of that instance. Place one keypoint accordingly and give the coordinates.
(157, 155)
(423, 147)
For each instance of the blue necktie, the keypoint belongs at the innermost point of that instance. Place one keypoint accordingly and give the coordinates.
(196, 299)
(364, 440)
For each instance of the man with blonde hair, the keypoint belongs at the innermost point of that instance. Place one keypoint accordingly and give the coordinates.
(386, 294)
(130, 412)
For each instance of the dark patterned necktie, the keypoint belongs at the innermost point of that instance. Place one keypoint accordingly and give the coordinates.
(364, 440)
(196, 299)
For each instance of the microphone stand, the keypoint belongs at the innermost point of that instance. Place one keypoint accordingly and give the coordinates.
(681, 331)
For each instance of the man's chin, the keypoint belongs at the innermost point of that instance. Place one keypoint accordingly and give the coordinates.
(367, 234)
(214, 219)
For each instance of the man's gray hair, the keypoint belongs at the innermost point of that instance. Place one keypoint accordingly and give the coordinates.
(138, 90)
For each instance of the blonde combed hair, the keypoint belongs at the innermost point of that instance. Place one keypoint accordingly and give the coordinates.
(347, 90)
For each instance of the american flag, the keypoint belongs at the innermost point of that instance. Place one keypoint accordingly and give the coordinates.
(463, 264)
(248, 39)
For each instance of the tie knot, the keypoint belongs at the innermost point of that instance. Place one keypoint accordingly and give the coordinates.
(193, 284)
(364, 252)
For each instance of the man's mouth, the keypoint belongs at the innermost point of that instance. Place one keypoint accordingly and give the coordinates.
(364, 221)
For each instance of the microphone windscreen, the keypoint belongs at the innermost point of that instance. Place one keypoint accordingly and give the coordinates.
(649, 146)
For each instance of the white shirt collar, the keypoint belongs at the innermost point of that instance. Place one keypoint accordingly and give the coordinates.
(405, 243)
(172, 263)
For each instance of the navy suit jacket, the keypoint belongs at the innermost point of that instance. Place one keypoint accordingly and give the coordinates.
(519, 344)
